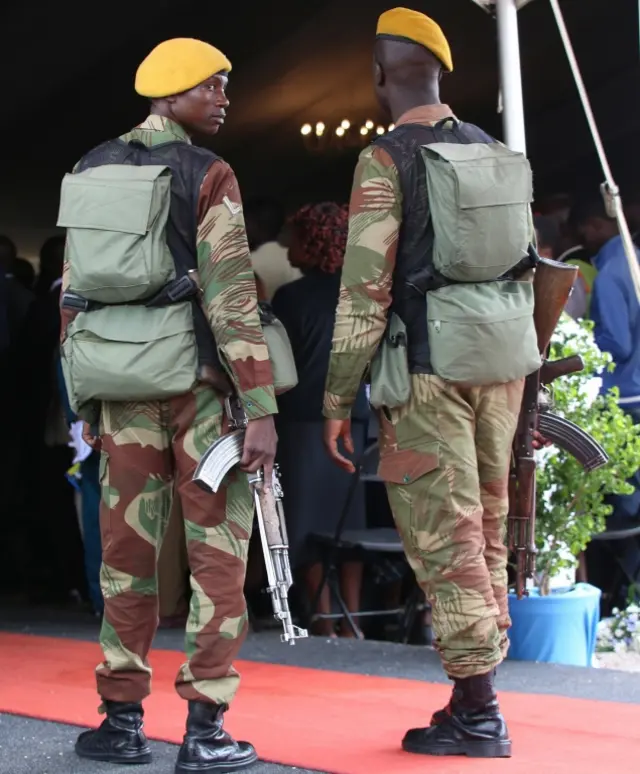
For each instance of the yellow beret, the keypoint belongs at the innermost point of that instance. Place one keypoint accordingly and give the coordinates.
(178, 65)
(418, 28)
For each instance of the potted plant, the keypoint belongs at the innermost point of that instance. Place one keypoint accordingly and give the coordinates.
(558, 621)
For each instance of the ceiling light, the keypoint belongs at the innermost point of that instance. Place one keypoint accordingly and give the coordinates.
(340, 131)
(345, 124)
(306, 129)
(369, 125)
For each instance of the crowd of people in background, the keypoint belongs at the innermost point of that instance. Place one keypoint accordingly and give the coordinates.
(51, 553)
(40, 536)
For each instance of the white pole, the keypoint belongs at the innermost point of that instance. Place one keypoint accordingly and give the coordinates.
(510, 78)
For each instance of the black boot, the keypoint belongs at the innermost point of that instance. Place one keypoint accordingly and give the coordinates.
(207, 747)
(444, 713)
(471, 726)
(119, 739)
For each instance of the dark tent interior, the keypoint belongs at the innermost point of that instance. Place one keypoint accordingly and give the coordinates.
(67, 84)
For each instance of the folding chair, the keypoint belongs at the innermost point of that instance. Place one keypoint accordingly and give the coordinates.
(369, 546)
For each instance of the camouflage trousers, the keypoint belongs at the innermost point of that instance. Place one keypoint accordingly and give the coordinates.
(445, 458)
(146, 447)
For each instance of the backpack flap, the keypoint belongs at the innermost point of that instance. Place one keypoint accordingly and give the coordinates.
(116, 216)
(129, 353)
(483, 333)
(480, 196)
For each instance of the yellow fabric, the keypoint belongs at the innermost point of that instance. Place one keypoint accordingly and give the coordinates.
(178, 65)
(418, 28)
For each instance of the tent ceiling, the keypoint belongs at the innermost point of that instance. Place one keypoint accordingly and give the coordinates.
(292, 61)
(489, 5)
(67, 78)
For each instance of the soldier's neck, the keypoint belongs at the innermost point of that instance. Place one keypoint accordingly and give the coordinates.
(163, 109)
(401, 102)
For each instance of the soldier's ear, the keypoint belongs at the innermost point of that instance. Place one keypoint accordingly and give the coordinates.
(378, 73)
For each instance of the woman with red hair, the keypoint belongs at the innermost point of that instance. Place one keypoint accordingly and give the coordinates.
(315, 489)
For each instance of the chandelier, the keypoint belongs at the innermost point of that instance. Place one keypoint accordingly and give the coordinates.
(347, 134)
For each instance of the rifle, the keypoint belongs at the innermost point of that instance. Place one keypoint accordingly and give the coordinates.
(216, 462)
(552, 285)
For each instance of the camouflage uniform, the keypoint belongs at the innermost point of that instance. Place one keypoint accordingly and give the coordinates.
(147, 447)
(445, 455)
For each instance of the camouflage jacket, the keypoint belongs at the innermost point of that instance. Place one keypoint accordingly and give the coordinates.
(375, 216)
(226, 275)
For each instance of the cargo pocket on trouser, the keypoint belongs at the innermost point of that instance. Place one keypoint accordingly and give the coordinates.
(410, 475)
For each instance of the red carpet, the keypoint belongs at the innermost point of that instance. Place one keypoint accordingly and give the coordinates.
(341, 723)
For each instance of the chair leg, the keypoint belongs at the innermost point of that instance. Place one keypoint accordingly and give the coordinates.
(335, 588)
(328, 570)
(329, 562)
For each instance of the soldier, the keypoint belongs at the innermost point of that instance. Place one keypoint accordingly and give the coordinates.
(150, 444)
(445, 450)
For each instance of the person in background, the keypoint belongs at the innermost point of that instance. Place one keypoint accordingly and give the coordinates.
(557, 207)
(547, 234)
(18, 377)
(89, 487)
(315, 488)
(548, 237)
(264, 220)
(19, 299)
(58, 539)
(614, 307)
(51, 263)
(24, 273)
(616, 316)
(570, 250)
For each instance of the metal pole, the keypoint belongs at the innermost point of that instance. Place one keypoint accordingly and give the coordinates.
(510, 77)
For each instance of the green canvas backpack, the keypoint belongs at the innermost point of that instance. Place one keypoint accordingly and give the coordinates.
(479, 318)
(123, 345)
(481, 328)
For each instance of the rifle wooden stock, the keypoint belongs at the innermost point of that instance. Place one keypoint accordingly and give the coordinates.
(554, 369)
(552, 285)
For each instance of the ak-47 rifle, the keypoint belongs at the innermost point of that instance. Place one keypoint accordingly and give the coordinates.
(216, 462)
(552, 285)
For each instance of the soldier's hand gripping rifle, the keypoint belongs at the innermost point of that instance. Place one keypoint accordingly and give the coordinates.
(216, 462)
(552, 285)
